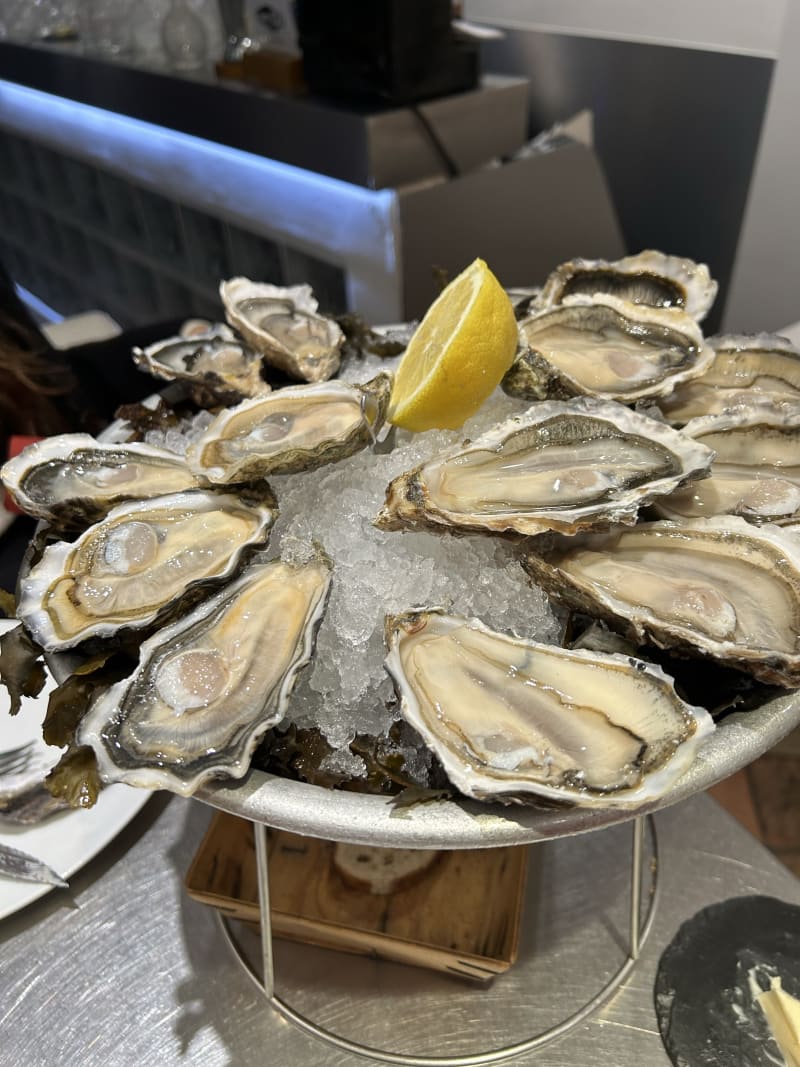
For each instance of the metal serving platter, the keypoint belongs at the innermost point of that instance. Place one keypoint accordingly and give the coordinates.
(452, 824)
(361, 818)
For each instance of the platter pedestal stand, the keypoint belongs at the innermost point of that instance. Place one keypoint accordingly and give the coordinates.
(638, 929)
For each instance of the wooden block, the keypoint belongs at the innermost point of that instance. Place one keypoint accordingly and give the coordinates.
(274, 70)
(462, 915)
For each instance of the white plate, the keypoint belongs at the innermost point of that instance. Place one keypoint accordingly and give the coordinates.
(70, 839)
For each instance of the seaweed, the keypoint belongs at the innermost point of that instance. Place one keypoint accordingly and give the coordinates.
(22, 669)
(75, 778)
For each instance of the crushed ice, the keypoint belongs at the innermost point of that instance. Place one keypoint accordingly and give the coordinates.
(346, 690)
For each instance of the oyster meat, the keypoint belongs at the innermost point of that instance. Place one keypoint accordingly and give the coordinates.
(719, 587)
(756, 468)
(283, 324)
(208, 687)
(74, 479)
(511, 719)
(560, 466)
(746, 369)
(298, 428)
(649, 277)
(605, 347)
(217, 366)
(136, 565)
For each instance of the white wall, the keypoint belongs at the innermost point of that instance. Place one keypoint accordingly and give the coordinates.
(750, 27)
(765, 289)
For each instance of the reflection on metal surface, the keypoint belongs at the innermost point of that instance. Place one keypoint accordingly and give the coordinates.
(638, 935)
(373, 820)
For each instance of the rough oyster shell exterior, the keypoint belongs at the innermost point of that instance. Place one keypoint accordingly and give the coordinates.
(204, 691)
(217, 366)
(136, 565)
(605, 347)
(562, 466)
(717, 587)
(284, 325)
(511, 719)
(74, 479)
(746, 370)
(297, 428)
(649, 277)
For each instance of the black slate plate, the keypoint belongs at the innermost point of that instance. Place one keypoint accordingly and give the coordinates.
(705, 1006)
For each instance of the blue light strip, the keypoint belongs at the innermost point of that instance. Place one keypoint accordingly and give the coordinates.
(40, 310)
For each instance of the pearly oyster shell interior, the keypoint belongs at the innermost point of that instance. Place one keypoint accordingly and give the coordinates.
(649, 277)
(136, 565)
(297, 428)
(208, 687)
(75, 479)
(719, 587)
(605, 347)
(285, 326)
(508, 717)
(560, 466)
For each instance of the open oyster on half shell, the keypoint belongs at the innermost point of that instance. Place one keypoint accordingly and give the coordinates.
(718, 587)
(213, 362)
(136, 565)
(297, 428)
(285, 326)
(746, 369)
(74, 479)
(208, 687)
(605, 347)
(649, 277)
(756, 468)
(511, 719)
(560, 466)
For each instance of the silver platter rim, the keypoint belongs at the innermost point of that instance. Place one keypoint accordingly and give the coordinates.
(360, 818)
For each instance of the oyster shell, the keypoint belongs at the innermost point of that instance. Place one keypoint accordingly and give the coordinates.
(649, 277)
(283, 324)
(718, 587)
(745, 369)
(208, 687)
(558, 466)
(509, 718)
(606, 347)
(136, 565)
(217, 366)
(73, 479)
(298, 428)
(756, 468)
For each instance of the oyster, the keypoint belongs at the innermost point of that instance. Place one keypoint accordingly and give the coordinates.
(208, 687)
(559, 466)
(73, 479)
(298, 428)
(649, 277)
(283, 324)
(218, 367)
(136, 565)
(718, 587)
(756, 469)
(509, 718)
(745, 369)
(606, 347)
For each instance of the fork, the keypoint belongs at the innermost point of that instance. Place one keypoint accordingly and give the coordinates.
(17, 760)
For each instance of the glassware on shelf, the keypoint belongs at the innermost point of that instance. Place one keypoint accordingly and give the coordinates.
(183, 37)
(106, 27)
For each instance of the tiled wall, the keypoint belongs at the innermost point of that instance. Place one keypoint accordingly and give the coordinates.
(79, 237)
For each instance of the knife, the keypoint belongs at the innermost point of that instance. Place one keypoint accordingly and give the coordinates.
(26, 868)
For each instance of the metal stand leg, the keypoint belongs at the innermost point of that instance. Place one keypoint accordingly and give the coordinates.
(638, 935)
(265, 915)
(636, 885)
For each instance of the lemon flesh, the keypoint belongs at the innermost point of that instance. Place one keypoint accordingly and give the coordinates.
(458, 354)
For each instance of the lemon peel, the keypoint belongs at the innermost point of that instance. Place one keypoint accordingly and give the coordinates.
(457, 355)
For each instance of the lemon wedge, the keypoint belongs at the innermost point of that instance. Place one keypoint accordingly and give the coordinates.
(457, 355)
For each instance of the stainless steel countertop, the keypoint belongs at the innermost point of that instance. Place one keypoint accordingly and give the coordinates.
(126, 969)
